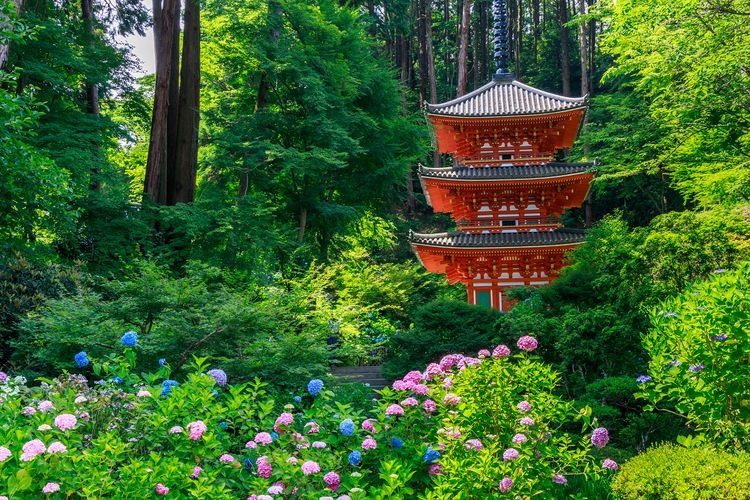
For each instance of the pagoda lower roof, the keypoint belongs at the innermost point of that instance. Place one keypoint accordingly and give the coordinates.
(460, 239)
(543, 171)
(506, 98)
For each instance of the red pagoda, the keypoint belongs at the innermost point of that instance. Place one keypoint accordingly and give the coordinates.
(504, 190)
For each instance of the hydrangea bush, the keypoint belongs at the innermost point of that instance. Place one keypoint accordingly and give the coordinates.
(700, 366)
(465, 426)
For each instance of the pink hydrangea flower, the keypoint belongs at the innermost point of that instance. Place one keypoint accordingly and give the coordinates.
(5, 454)
(80, 399)
(609, 464)
(369, 443)
(143, 393)
(196, 472)
(519, 438)
(263, 438)
(292, 460)
(435, 469)
(449, 361)
(413, 376)
(197, 429)
(275, 490)
(176, 430)
(28, 411)
(251, 445)
(318, 444)
(284, 419)
(600, 437)
(310, 467)
(501, 351)
(506, 484)
(394, 409)
(84, 416)
(160, 489)
(264, 467)
(559, 479)
(431, 371)
(46, 406)
(524, 406)
(421, 389)
(51, 488)
(368, 426)
(527, 421)
(429, 406)
(473, 444)
(468, 361)
(332, 480)
(484, 353)
(3, 497)
(409, 402)
(314, 428)
(510, 454)
(31, 449)
(451, 399)
(3, 377)
(56, 447)
(226, 458)
(447, 383)
(527, 343)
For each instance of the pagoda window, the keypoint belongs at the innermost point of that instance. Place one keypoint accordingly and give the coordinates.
(509, 222)
(483, 298)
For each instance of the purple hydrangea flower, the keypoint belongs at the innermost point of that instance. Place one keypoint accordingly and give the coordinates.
(219, 376)
(609, 464)
(510, 454)
(696, 368)
(643, 379)
(506, 484)
(600, 437)
(719, 338)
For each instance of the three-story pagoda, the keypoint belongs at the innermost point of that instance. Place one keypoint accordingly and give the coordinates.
(505, 190)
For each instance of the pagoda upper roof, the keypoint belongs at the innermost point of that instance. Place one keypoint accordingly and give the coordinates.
(506, 98)
(461, 172)
(500, 240)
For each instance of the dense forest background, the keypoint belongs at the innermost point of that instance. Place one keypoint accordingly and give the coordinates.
(251, 199)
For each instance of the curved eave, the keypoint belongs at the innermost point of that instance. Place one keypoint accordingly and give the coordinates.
(582, 108)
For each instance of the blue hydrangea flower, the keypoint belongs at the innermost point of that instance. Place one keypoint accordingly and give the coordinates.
(219, 376)
(129, 339)
(274, 436)
(314, 386)
(643, 379)
(696, 368)
(355, 457)
(248, 464)
(162, 361)
(397, 442)
(346, 427)
(430, 455)
(166, 387)
(719, 338)
(118, 380)
(81, 359)
(298, 399)
(223, 425)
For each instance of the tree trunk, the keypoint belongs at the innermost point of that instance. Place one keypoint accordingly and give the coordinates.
(592, 54)
(518, 39)
(155, 181)
(583, 35)
(4, 24)
(302, 223)
(173, 113)
(536, 31)
(183, 189)
(463, 48)
(431, 68)
(562, 16)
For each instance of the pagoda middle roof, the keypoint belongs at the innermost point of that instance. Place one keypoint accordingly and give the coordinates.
(506, 98)
(460, 239)
(461, 172)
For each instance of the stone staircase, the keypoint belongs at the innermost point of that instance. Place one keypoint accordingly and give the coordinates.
(371, 375)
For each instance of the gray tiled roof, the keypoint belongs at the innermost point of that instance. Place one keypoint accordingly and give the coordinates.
(506, 172)
(489, 240)
(503, 98)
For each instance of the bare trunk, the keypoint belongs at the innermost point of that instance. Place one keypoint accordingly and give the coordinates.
(302, 223)
(155, 180)
(4, 24)
(463, 48)
(173, 113)
(189, 108)
(592, 54)
(562, 14)
(518, 39)
(537, 32)
(583, 35)
(431, 68)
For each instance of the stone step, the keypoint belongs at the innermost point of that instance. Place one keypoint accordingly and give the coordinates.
(371, 375)
(356, 370)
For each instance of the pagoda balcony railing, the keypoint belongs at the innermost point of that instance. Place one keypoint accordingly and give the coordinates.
(494, 162)
(540, 224)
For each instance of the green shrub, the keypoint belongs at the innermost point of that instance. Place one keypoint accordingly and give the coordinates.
(674, 472)
(699, 347)
(440, 327)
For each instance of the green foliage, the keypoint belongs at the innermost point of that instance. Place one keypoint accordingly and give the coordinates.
(24, 286)
(439, 327)
(699, 344)
(674, 472)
